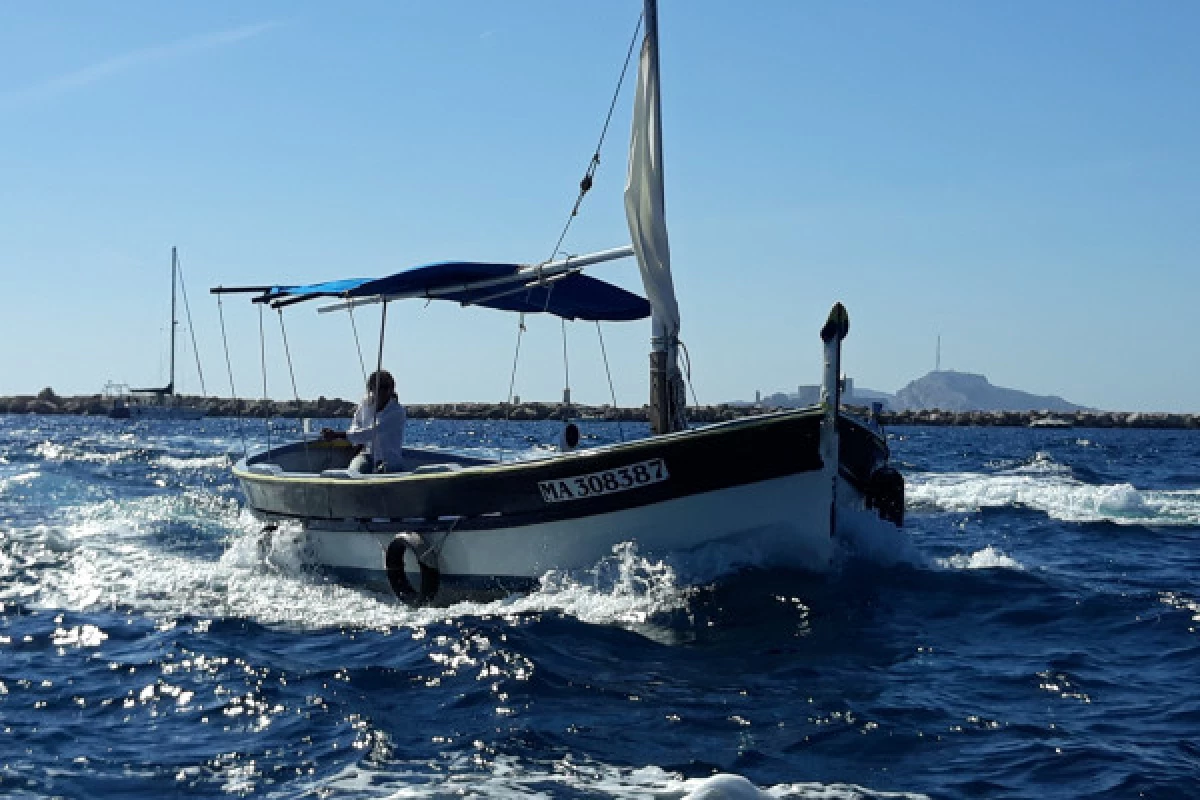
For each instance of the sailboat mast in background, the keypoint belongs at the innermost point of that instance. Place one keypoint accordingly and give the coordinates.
(174, 321)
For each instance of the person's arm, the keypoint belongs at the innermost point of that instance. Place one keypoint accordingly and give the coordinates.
(356, 423)
(385, 424)
(366, 425)
(361, 436)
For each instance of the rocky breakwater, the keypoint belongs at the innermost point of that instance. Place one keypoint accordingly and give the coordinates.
(48, 402)
(1022, 419)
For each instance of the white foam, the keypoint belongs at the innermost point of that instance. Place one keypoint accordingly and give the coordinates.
(108, 557)
(1055, 493)
(506, 777)
(79, 636)
(987, 558)
(18, 479)
(53, 451)
(194, 462)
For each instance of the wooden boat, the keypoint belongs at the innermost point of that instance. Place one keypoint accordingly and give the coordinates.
(448, 524)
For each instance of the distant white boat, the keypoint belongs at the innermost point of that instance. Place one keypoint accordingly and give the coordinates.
(1051, 422)
(156, 403)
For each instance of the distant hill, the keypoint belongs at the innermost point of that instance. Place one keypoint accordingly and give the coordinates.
(963, 391)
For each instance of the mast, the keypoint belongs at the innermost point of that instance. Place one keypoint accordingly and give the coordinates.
(174, 322)
(834, 331)
(646, 214)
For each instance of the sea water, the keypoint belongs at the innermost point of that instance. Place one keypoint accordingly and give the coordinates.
(1033, 631)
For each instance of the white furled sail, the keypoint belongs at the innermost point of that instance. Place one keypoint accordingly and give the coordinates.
(646, 213)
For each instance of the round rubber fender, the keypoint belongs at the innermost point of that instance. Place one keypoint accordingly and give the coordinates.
(431, 577)
(885, 494)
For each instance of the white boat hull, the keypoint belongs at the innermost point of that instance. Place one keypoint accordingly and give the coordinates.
(493, 527)
(504, 559)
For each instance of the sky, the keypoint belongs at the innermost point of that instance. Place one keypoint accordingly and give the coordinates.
(1021, 179)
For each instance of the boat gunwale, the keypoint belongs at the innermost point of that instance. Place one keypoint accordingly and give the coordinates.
(242, 469)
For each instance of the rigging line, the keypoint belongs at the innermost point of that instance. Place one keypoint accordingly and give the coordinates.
(237, 405)
(512, 380)
(262, 351)
(191, 330)
(566, 366)
(687, 360)
(586, 183)
(437, 552)
(611, 390)
(375, 395)
(291, 372)
(357, 345)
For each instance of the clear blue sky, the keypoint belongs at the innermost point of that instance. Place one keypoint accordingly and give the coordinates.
(1022, 178)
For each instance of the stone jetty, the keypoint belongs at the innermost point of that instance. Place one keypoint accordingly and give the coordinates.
(48, 402)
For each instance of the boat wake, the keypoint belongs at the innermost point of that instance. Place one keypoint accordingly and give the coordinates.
(197, 554)
(1049, 487)
(508, 777)
(987, 558)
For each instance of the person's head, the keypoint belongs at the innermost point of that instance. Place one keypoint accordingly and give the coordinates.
(382, 386)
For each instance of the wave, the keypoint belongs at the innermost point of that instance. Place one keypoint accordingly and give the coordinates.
(149, 555)
(507, 777)
(193, 462)
(112, 554)
(19, 479)
(987, 558)
(62, 453)
(1050, 488)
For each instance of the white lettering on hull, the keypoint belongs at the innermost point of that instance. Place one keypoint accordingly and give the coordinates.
(608, 481)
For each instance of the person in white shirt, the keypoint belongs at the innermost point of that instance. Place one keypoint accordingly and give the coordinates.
(377, 428)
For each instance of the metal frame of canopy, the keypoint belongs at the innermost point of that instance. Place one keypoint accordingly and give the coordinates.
(579, 297)
(355, 293)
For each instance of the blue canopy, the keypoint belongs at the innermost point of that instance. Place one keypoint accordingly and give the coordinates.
(576, 296)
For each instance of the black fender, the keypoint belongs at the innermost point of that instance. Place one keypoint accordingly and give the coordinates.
(431, 576)
(885, 494)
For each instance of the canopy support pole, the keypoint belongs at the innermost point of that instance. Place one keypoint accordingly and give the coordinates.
(262, 352)
(374, 397)
(512, 382)
(611, 390)
(237, 404)
(287, 351)
(566, 374)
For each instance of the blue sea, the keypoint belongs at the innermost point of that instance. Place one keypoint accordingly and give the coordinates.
(1032, 632)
